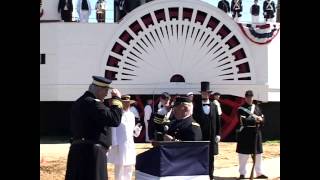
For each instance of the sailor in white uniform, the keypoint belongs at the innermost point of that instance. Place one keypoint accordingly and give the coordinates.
(255, 11)
(84, 10)
(123, 153)
(147, 116)
(216, 97)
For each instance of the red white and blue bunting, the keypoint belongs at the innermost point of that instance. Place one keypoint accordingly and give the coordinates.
(260, 33)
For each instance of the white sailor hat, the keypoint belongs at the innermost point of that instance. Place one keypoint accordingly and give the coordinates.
(190, 94)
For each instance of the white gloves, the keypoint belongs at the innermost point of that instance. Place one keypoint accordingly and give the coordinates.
(115, 92)
(137, 130)
(217, 139)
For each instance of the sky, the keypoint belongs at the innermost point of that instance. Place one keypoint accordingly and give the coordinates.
(246, 17)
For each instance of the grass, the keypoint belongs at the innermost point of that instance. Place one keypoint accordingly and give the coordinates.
(273, 142)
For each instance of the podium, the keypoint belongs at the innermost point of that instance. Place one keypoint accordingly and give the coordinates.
(187, 160)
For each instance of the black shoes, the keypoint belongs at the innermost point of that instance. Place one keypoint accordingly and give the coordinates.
(262, 176)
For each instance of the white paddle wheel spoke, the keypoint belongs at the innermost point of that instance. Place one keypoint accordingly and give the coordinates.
(170, 39)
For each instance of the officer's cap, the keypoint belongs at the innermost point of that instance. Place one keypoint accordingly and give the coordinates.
(182, 100)
(101, 81)
(249, 93)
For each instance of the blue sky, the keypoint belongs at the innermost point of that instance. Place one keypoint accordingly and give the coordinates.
(246, 17)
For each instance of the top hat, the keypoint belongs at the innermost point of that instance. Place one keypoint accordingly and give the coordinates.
(205, 86)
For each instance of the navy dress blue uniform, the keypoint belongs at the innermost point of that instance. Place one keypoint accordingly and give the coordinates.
(91, 136)
(236, 8)
(255, 10)
(185, 129)
(246, 136)
(268, 9)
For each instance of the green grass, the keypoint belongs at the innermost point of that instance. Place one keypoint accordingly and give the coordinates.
(273, 141)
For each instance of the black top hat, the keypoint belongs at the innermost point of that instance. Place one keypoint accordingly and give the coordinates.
(101, 81)
(182, 100)
(205, 86)
(249, 93)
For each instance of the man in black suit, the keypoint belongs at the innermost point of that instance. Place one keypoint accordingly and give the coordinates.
(65, 7)
(206, 114)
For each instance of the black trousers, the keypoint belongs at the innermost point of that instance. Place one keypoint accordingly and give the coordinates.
(211, 162)
(236, 12)
(101, 17)
(87, 162)
(66, 15)
(269, 14)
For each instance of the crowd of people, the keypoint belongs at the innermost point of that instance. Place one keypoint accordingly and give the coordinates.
(103, 130)
(236, 9)
(65, 8)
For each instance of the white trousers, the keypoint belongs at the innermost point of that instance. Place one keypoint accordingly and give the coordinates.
(270, 20)
(123, 172)
(84, 16)
(243, 158)
(255, 19)
(146, 134)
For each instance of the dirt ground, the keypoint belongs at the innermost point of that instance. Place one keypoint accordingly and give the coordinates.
(53, 163)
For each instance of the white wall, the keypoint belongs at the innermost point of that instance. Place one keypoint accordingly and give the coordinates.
(274, 69)
(50, 8)
(74, 52)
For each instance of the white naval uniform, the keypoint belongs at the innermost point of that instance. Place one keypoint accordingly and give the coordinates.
(135, 112)
(83, 14)
(123, 153)
(147, 115)
(254, 19)
(243, 158)
(216, 102)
